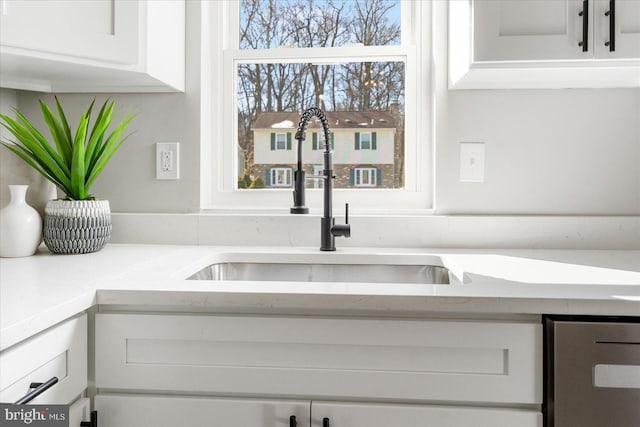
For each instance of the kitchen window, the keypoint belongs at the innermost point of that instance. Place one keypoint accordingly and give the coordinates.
(366, 63)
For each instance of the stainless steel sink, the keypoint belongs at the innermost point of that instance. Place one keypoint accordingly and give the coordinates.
(350, 273)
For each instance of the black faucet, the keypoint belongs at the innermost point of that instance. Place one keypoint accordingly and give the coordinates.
(329, 229)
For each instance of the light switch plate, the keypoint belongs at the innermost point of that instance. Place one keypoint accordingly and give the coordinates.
(472, 161)
(167, 160)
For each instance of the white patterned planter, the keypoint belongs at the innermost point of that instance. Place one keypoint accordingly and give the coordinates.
(76, 226)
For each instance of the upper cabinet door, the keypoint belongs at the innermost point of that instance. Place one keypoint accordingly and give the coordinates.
(530, 30)
(617, 29)
(93, 45)
(104, 30)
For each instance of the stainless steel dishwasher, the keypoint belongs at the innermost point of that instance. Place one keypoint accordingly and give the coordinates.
(592, 372)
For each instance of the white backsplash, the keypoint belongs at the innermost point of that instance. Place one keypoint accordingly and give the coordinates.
(493, 232)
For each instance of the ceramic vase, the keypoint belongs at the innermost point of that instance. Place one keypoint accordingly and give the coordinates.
(20, 225)
(76, 226)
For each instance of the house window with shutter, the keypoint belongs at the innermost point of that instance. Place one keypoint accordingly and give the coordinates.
(318, 141)
(281, 141)
(280, 177)
(366, 141)
(365, 177)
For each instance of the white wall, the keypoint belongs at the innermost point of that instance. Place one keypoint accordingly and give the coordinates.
(548, 151)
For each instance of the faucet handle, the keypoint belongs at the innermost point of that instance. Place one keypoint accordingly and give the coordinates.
(346, 213)
(343, 230)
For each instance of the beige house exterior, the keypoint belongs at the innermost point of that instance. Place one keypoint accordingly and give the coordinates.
(363, 148)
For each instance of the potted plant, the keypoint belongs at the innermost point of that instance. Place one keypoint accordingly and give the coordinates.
(78, 223)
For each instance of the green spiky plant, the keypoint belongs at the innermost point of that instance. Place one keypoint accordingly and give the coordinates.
(77, 160)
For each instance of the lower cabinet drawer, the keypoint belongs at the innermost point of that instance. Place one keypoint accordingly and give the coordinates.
(165, 411)
(350, 359)
(57, 352)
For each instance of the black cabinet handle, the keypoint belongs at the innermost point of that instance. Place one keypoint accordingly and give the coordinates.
(325, 422)
(36, 390)
(292, 421)
(585, 25)
(93, 422)
(611, 13)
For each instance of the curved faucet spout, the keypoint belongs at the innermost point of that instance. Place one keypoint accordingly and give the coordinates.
(328, 227)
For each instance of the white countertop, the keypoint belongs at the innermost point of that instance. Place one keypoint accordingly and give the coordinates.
(40, 291)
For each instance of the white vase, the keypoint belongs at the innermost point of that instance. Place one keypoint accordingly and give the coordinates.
(20, 225)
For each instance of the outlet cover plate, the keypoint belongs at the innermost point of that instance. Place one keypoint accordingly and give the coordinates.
(167, 160)
(472, 161)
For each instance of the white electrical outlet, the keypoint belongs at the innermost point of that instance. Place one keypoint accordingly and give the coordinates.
(167, 160)
(472, 162)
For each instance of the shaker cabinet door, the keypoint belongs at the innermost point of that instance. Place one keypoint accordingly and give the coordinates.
(382, 415)
(104, 30)
(530, 30)
(622, 39)
(166, 411)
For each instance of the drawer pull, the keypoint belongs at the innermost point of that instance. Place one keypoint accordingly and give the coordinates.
(325, 422)
(292, 421)
(93, 422)
(37, 389)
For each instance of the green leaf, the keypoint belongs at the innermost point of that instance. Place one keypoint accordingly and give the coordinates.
(63, 144)
(97, 133)
(40, 139)
(38, 154)
(108, 149)
(28, 158)
(78, 171)
(63, 120)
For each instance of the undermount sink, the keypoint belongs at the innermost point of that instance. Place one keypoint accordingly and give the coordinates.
(349, 273)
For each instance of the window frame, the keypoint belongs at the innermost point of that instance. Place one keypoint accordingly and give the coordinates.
(373, 177)
(284, 141)
(288, 174)
(219, 182)
(370, 142)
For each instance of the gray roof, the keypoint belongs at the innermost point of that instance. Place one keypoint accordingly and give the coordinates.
(336, 119)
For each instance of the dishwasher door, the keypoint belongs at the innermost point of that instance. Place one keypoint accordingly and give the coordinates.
(593, 374)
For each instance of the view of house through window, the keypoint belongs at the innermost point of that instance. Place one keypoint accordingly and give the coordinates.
(363, 99)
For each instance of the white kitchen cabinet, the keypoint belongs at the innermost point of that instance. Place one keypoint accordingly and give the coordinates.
(543, 44)
(92, 45)
(173, 411)
(384, 415)
(60, 351)
(79, 411)
(170, 411)
(187, 361)
(418, 360)
(507, 30)
(626, 29)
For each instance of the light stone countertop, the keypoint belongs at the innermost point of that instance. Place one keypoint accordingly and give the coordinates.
(39, 291)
